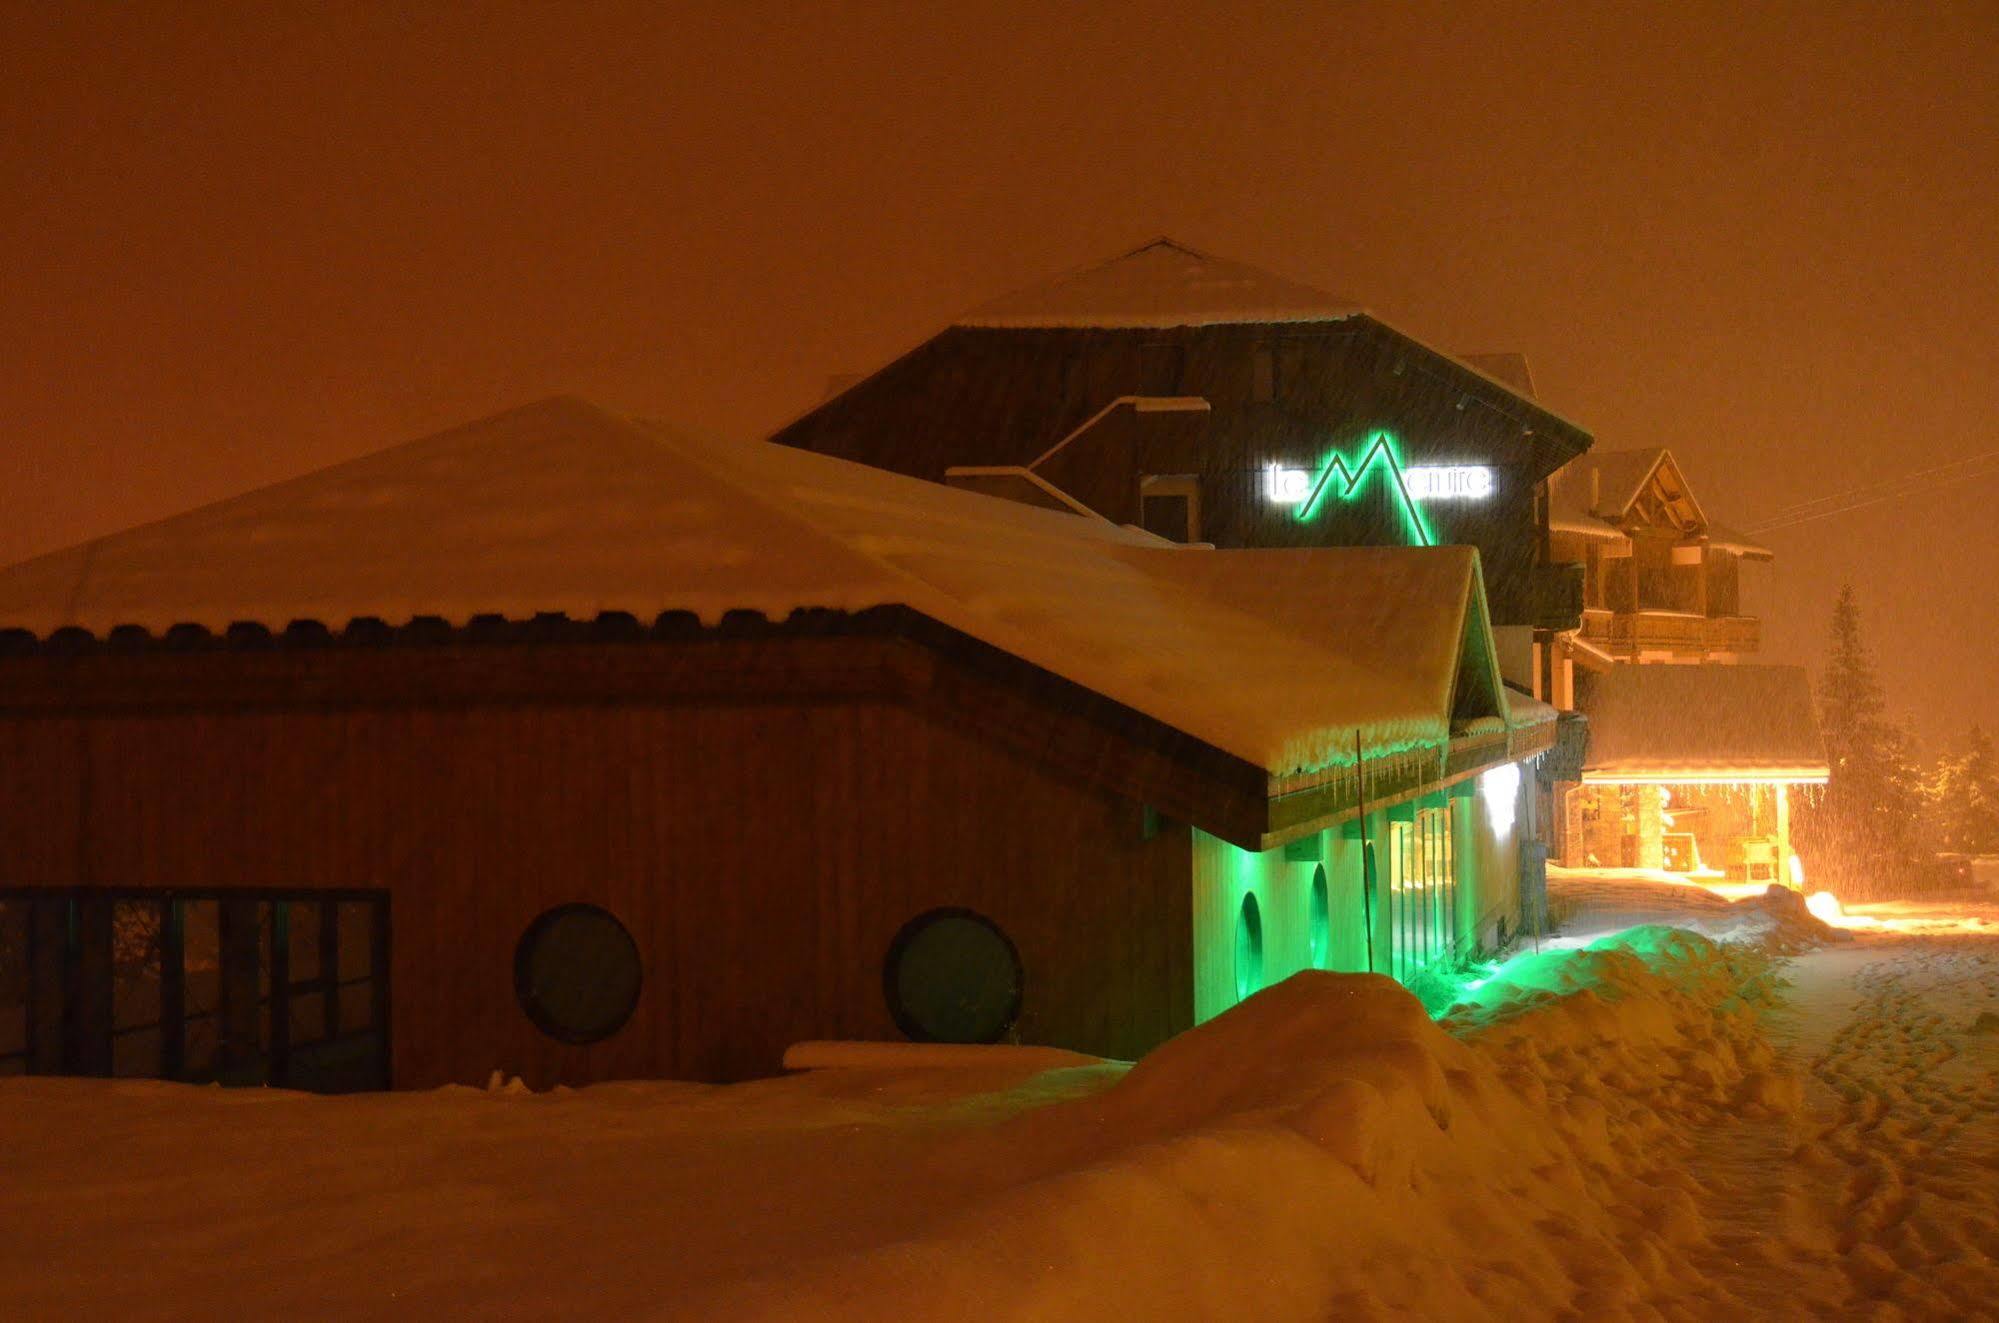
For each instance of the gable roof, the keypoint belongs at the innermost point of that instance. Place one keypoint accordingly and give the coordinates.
(562, 507)
(1716, 723)
(1162, 284)
(1618, 477)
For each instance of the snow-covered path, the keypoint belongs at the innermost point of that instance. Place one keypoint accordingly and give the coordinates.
(1878, 1198)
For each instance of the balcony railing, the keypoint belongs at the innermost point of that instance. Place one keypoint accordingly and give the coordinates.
(1628, 633)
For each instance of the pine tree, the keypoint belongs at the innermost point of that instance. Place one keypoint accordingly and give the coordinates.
(1978, 822)
(1963, 791)
(1863, 833)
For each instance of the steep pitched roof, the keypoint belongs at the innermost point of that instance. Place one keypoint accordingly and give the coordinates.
(1162, 284)
(562, 507)
(1617, 477)
(1702, 723)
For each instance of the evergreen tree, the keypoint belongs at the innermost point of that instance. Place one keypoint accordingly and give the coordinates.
(1964, 797)
(1863, 834)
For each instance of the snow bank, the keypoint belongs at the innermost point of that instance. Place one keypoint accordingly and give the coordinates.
(1587, 903)
(1326, 1149)
(1556, 1147)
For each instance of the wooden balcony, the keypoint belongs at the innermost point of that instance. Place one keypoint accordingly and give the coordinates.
(1625, 634)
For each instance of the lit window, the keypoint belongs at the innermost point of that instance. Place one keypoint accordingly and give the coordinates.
(1499, 788)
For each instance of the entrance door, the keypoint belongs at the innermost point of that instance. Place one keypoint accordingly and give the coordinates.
(232, 987)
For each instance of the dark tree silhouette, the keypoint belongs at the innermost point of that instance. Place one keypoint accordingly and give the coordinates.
(1864, 834)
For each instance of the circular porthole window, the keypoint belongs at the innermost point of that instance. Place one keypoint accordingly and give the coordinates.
(953, 977)
(576, 972)
(1248, 948)
(1319, 918)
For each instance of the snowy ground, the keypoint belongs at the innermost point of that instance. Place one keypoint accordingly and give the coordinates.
(1650, 1126)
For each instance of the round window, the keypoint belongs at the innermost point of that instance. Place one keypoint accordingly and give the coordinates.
(1248, 948)
(953, 977)
(576, 972)
(1319, 918)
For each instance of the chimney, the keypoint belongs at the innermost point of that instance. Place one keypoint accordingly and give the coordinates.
(1595, 488)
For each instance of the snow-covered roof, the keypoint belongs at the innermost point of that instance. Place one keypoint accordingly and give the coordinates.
(1275, 657)
(1672, 723)
(1723, 537)
(1162, 284)
(1508, 369)
(1616, 477)
(1620, 477)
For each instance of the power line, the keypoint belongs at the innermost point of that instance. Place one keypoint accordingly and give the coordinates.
(1783, 513)
(1859, 498)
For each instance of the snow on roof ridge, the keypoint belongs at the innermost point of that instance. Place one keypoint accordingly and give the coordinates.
(1162, 283)
(562, 506)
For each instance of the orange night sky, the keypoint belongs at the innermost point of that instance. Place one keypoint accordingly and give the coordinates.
(245, 242)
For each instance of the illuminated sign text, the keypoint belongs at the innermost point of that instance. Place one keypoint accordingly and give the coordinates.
(1341, 479)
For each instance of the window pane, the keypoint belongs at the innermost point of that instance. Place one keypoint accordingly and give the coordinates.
(13, 978)
(200, 924)
(308, 1025)
(265, 924)
(357, 945)
(953, 977)
(135, 963)
(577, 973)
(302, 918)
(201, 928)
(204, 1035)
(357, 1007)
(1319, 918)
(1248, 948)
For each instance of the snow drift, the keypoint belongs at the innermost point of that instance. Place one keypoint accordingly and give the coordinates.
(1327, 1146)
(1608, 1132)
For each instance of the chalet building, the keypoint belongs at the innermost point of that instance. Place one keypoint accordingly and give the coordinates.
(564, 745)
(1692, 754)
(1210, 402)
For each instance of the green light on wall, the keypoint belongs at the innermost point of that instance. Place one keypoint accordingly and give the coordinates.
(1341, 480)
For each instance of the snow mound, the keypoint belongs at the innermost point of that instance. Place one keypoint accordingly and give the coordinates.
(1517, 1160)
(1588, 903)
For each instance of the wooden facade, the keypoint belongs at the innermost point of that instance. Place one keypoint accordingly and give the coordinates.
(755, 813)
(1286, 394)
(1693, 753)
(958, 707)
(761, 808)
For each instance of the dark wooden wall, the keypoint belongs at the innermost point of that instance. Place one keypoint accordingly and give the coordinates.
(763, 851)
(977, 396)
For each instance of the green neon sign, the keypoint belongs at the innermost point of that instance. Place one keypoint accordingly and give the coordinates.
(1339, 479)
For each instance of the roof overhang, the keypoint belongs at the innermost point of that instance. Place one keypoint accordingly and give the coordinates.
(1710, 776)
